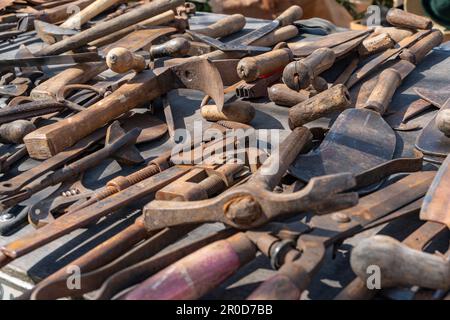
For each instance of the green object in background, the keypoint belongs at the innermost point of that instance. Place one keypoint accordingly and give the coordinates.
(438, 10)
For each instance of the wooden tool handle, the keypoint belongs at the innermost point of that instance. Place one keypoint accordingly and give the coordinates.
(79, 74)
(443, 121)
(177, 47)
(382, 94)
(224, 27)
(291, 15)
(288, 284)
(400, 265)
(277, 36)
(237, 111)
(252, 68)
(282, 95)
(400, 18)
(121, 60)
(337, 98)
(420, 49)
(62, 12)
(297, 75)
(396, 34)
(91, 11)
(375, 44)
(198, 273)
(14, 132)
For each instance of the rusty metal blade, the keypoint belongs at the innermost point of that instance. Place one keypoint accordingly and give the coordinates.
(436, 206)
(201, 74)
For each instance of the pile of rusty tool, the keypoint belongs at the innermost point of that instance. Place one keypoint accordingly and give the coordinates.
(83, 89)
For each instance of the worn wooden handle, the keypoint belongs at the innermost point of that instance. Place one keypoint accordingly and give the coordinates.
(62, 12)
(375, 44)
(396, 34)
(224, 27)
(288, 284)
(421, 48)
(298, 75)
(282, 95)
(91, 11)
(400, 18)
(177, 47)
(14, 132)
(291, 15)
(252, 68)
(78, 74)
(443, 121)
(121, 60)
(237, 111)
(198, 273)
(337, 98)
(382, 94)
(277, 36)
(400, 265)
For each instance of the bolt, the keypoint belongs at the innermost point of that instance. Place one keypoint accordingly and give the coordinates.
(243, 210)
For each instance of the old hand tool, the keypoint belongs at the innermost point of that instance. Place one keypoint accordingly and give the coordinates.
(146, 86)
(14, 132)
(243, 43)
(118, 144)
(400, 265)
(121, 60)
(436, 206)
(335, 99)
(238, 111)
(432, 141)
(102, 29)
(359, 139)
(300, 74)
(377, 62)
(403, 19)
(211, 181)
(282, 95)
(253, 204)
(418, 240)
(252, 68)
(375, 44)
(326, 230)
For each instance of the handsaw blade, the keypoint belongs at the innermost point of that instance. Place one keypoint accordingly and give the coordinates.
(51, 60)
(378, 61)
(436, 206)
(227, 46)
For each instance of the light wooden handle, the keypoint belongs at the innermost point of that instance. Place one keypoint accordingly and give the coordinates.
(291, 15)
(337, 98)
(177, 47)
(121, 60)
(198, 273)
(382, 94)
(421, 48)
(282, 95)
(237, 111)
(375, 44)
(78, 74)
(252, 68)
(224, 27)
(400, 265)
(62, 12)
(91, 11)
(277, 36)
(298, 74)
(400, 18)
(396, 34)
